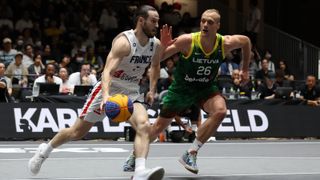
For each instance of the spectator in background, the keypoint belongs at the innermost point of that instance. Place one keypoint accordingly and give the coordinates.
(5, 85)
(166, 75)
(267, 88)
(95, 61)
(284, 67)
(36, 69)
(24, 22)
(47, 56)
(310, 93)
(48, 77)
(19, 43)
(228, 65)
(17, 71)
(84, 77)
(268, 56)
(5, 20)
(66, 87)
(7, 55)
(19, 76)
(263, 72)
(244, 89)
(27, 59)
(253, 22)
(65, 63)
(78, 59)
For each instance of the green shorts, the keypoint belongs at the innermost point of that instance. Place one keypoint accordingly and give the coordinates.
(179, 99)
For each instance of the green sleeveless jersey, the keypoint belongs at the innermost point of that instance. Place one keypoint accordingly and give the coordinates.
(200, 69)
(195, 77)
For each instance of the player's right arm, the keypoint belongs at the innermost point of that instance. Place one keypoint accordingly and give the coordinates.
(120, 49)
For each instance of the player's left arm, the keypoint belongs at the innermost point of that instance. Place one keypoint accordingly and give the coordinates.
(154, 73)
(243, 42)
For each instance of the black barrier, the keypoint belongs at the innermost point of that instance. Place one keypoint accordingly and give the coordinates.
(245, 118)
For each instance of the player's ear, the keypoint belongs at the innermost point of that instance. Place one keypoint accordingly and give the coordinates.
(141, 19)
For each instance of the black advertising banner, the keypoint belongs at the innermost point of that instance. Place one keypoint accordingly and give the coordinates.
(244, 119)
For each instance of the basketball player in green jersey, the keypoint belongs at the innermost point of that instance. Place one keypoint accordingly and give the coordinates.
(195, 79)
(201, 54)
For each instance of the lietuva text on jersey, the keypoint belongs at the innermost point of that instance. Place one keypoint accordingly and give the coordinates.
(141, 59)
(205, 61)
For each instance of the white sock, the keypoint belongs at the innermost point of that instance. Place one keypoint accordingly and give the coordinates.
(140, 164)
(195, 146)
(47, 150)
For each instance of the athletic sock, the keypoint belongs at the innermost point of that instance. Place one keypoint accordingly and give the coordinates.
(140, 164)
(47, 150)
(195, 146)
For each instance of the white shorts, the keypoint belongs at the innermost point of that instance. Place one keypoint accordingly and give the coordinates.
(91, 110)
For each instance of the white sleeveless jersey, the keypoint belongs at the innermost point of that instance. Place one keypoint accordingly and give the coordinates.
(130, 70)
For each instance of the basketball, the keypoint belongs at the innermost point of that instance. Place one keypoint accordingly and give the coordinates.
(119, 108)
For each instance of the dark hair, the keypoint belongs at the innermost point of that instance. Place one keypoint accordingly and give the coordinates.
(143, 12)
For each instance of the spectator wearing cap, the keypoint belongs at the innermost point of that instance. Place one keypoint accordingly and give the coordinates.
(267, 87)
(8, 53)
(18, 74)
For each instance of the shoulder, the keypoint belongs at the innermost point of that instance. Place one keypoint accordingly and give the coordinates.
(57, 79)
(185, 38)
(74, 75)
(121, 44)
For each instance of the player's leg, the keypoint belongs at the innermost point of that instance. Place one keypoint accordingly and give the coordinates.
(80, 128)
(75, 132)
(139, 121)
(216, 108)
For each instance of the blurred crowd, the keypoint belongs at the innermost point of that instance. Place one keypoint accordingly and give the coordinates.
(66, 42)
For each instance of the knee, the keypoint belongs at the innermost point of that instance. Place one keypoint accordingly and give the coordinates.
(220, 113)
(76, 134)
(142, 127)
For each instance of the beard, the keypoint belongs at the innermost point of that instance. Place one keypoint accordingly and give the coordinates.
(149, 33)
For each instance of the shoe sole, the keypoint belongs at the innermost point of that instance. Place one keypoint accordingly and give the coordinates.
(157, 174)
(187, 166)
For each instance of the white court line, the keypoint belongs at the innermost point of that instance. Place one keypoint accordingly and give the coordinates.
(198, 176)
(169, 158)
(171, 144)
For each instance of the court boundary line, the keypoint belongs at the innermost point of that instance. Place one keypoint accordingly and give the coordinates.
(173, 157)
(190, 176)
(169, 143)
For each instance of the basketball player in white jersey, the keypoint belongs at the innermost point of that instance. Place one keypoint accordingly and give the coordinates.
(132, 51)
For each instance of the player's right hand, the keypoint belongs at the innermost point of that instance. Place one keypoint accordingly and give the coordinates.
(166, 35)
(103, 102)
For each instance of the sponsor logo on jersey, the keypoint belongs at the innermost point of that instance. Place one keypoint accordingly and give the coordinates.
(118, 73)
(193, 79)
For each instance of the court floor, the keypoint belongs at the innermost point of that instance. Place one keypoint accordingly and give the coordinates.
(219, 160)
